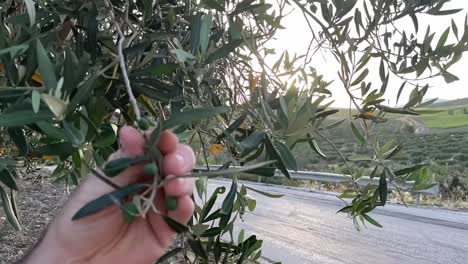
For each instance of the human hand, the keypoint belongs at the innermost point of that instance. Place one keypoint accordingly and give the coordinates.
(104, 237)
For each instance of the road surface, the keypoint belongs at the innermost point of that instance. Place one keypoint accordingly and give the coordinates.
(303, 227)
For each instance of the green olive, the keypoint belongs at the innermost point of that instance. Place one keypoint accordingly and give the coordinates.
(143, 123)
(150, 169)
(171, 203)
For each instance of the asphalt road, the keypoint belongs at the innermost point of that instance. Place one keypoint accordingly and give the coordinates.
(303, 227)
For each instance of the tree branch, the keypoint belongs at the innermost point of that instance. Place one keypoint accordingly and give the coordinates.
(123, 67)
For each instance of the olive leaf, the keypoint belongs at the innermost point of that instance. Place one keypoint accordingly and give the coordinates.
(176, 226)
(198, 248)
(383, 189)
(23, 117)
(46, 69)
(107, 200)
(171, 253)
(18, 137)
(267, 194)
(10, 213)
(371, 220)
(228, 202)
(315, 146)
(273, 152)
(35, 100)
(7, 179)
(114, 167)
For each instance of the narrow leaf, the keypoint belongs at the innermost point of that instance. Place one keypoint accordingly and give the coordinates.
(7, 179)
(228, 202)
(265, 172)
(448, 77)
(286, 154)
(83, 92)
(382, 71)
(252, 142)
(114, 167)
(17, 136)
(399, 91)
(443, 39)
(212, 232)
(224, 51)
(273, 153)
(107, 200)
(73, 134)
(36, 100)
(46, 69)
(236, 124)
(171, 253)
(454, 28)
(183, 56)
(361, 77)
(51, 130)
(56, 105)
(205, 30)
(23, 117)
(314, 145)
(63, 150)
(176, 226)
(383, 189)
(197, 248)
(267, 194)
(10, 214)
(358, 134)
(371, 220)
(31, 12)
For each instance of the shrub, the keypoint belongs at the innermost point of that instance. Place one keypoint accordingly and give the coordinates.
(461, 157)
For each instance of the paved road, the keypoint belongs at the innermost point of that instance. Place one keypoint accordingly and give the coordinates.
(303, 227)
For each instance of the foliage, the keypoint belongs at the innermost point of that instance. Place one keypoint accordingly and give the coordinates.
(74, 72)
(453, 183)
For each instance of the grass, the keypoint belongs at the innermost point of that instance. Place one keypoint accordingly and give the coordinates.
(444, 120)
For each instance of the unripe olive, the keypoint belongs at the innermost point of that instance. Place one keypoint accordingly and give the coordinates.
(150, 169)
(143, 123)
(171, 203)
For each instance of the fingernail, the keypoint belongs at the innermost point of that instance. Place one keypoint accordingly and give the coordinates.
(188, 157)
(181, 160)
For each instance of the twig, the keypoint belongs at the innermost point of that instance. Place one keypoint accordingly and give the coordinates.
(104, 178)
(123, 66)
(351, 171)
(204, 150)
(23, 88)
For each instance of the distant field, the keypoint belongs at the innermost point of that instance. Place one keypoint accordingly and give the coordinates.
(449, 149)
(450, 117)
(439, 120)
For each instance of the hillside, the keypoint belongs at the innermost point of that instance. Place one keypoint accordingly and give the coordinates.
(450, 103)
(444, 114)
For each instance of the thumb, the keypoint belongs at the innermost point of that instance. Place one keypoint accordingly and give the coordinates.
(132, 143)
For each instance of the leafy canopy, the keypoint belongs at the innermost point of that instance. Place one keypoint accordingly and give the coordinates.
(73, 72)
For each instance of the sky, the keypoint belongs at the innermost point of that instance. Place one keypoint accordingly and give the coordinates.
(295, 38)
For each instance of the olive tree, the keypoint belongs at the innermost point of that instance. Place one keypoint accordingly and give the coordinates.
(74, 72)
